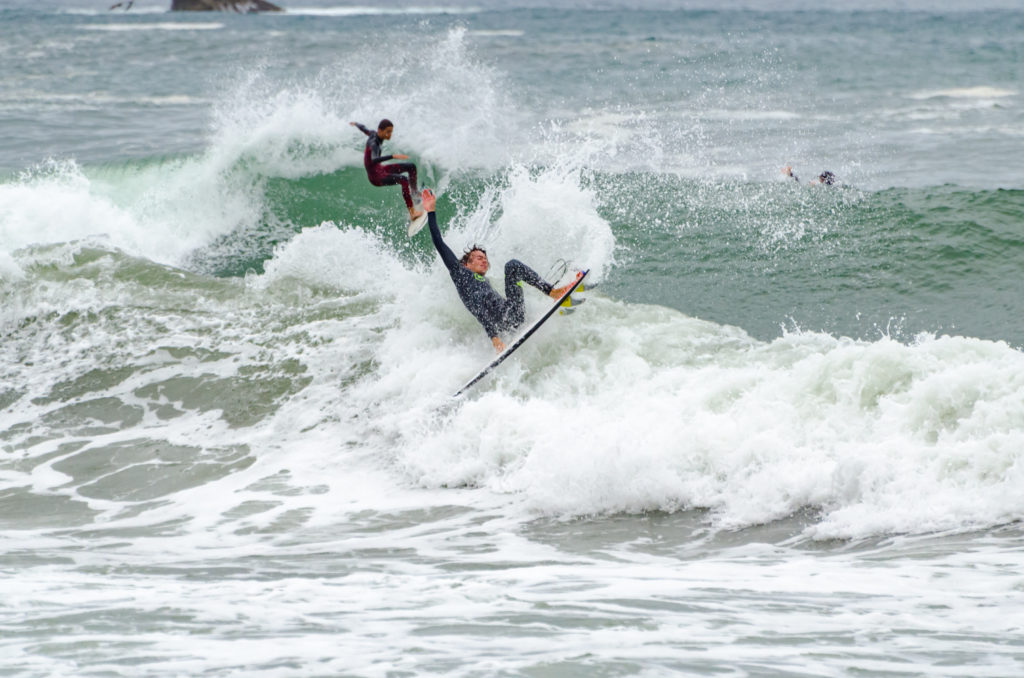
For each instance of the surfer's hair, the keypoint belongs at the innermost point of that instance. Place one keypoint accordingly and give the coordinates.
(827, 177)
(465, 255)
(384, 124)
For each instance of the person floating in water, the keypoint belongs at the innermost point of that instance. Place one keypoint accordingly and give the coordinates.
(487, 306)
(380, 174)
(826, 177)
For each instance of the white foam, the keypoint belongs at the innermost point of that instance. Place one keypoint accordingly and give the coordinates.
(10, 271)
(280, 131)
(747, 115)
(262, 128)
(332, 258)
(301, 128)
(979, 92)
(636, 408)
(623, 414)
(153, 26)
(514, 33)
(107, 12)
(615, 408)
(547, 215)
(101, 99)
(56, 206)
(369, 10)
(162, 213)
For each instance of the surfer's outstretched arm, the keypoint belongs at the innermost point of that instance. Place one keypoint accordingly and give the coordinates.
(362, 128)
(483, 310)
(451, 262)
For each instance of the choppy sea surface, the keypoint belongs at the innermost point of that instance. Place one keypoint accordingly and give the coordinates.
(784, 436)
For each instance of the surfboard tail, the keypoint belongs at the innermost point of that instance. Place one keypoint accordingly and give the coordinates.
(416, 224)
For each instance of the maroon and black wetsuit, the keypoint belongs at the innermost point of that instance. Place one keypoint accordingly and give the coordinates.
(380, 174)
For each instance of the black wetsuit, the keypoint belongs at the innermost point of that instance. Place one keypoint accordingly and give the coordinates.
(380, 174)
(486, 305)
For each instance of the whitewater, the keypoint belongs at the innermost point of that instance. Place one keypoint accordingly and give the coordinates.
(784, 436)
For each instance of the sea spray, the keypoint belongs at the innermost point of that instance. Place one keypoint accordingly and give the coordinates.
(225, 370)
(872, 436)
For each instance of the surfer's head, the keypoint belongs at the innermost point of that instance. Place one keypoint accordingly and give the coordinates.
(827, 178)
(385, 128)
(475, 259)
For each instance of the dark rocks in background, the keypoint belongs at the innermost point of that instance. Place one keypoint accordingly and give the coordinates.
(241, 6)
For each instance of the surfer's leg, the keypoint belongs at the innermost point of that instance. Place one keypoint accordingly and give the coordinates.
(515, 306)
(410, 169)
(396, 175)
(517, 273)
(520, 272)
(391, 180)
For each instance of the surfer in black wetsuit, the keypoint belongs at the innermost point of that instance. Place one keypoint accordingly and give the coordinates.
(380, 174)
(486, 305)
(826, 177)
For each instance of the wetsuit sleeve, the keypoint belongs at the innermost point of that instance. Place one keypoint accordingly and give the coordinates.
(447, 256)
(489, 327)
(454, 267)
(363, 129)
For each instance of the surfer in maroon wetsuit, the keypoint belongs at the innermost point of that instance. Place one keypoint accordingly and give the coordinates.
(380, 174)
(487, 306)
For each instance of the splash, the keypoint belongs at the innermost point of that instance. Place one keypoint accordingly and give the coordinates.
(642, 411)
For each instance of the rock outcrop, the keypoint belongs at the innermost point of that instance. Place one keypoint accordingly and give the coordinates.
(241, 6)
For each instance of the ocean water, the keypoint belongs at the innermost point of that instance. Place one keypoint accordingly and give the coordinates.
(783, 437)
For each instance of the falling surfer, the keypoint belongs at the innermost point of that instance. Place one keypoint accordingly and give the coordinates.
(379, 174)
(495, 313)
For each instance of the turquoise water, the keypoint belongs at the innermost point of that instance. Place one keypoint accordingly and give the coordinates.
(784, 435)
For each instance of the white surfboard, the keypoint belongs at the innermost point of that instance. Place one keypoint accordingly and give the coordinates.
(416, 224)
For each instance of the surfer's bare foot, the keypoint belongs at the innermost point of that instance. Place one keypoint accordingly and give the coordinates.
(415, 214)
(557, 292)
